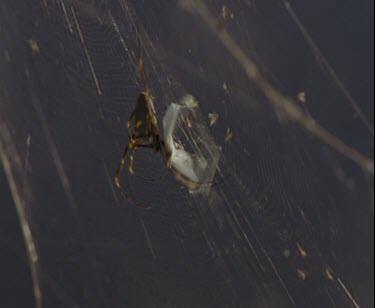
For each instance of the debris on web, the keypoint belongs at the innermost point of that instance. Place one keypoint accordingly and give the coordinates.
(194, 154)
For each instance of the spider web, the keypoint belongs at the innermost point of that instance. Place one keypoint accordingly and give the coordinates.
(289, 218)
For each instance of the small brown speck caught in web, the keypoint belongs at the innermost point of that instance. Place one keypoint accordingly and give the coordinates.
(302, 274)
(34, 46)
(228, 136)
(329, 274)
(287, 253)
(213, 117)
(301, 97)
(226, 13)
(225, 87)
(301, 251)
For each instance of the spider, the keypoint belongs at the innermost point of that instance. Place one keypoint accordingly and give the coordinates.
(143, 132)
(142, 127)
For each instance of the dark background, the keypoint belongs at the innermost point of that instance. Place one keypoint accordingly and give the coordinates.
(281, 187)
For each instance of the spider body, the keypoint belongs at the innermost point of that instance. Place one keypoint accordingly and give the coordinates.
(142, 124)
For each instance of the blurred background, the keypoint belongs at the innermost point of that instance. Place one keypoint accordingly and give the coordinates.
(289, 221)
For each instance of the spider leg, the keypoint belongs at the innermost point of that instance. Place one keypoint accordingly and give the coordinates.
(129, 123)
(131, 169)
(132, 146)
(120, 166)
